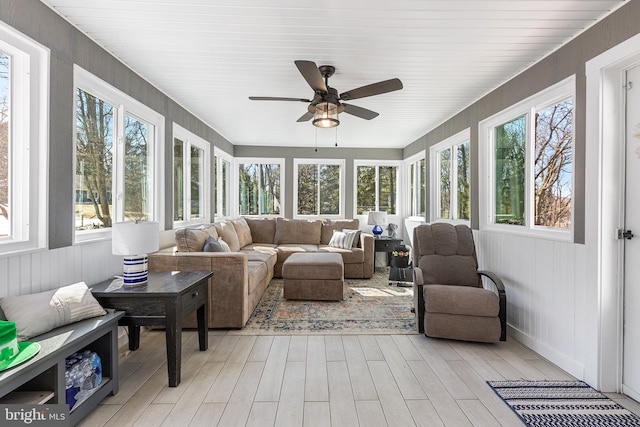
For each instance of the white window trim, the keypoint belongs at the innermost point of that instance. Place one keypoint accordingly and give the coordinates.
(339, 162)
(231, 196)
(434, 172)
(30, 140)
(376, 163)
(556, 93)
(130, 106)
(414, 160)
(260, 161)
(190, 139)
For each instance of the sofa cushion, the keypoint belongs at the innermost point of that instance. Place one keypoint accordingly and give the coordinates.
(285, 250)
(243, 231)
(461, 300)
(349, 256)
(268, 258)
(263, 230)
(257, 273)
(227, 231)
(302, 231)
(329, 226)
(192, 239)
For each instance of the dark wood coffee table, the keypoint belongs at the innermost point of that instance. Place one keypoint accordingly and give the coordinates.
(166, 300)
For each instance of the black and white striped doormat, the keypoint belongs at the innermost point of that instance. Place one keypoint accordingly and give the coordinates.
(562, 403)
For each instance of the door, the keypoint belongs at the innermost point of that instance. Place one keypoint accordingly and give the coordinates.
(631, 353)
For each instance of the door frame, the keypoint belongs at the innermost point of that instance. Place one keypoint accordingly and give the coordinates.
(604, 211)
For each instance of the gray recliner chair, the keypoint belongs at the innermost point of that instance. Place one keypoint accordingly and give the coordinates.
(449, 298)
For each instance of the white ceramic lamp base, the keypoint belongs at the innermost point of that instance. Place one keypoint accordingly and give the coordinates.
(136, 270)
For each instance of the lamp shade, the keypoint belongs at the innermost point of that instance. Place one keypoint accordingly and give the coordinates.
(133, 238)
(326, 115)
(377, 218)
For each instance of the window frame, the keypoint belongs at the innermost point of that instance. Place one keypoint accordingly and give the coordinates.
(125, 106)
(28, 142)
(219, 157)
(417, 196)
(435, 199)
(259, 161)
(554, 94)
(189, 139)
(300, 161)
(398, 164)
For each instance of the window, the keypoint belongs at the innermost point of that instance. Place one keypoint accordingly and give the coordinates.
(117, 160)
(318, 187)
(190, 176)
(24, 104)
(417, 186)
(450, 178)
(259, 186)
(530, 158)
(222, 180)
(376, 188)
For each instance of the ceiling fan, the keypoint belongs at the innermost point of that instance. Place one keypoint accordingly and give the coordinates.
(326, 103)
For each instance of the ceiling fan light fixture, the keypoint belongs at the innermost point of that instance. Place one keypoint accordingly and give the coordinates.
(326, 115)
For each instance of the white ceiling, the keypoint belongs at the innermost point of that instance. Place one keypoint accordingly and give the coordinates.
(211, 55)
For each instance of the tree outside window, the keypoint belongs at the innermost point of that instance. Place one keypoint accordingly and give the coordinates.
(94, 161)
(114, 181)
(451, 177)
(510, 171)
(259, 188)
(417, 188)
(376, 189)
(530, 158)
(319, 187)
(553, 165)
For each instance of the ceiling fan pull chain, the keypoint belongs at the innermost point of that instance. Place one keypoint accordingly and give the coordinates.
(336, 136)
(316, 140)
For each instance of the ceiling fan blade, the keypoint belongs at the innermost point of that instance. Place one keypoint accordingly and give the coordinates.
(305, 117)
(311, 74)
(363, 113)
(372, 89)
(272, 98)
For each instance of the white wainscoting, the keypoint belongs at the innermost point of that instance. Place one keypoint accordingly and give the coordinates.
(40, 271)
(546, 293)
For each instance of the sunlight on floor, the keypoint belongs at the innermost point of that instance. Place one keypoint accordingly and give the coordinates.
(388, 292)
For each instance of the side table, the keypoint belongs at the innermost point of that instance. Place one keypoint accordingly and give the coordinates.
(165, 300)
(385, 244)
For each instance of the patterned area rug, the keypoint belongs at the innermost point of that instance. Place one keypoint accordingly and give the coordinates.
(369, 306)
(562, 403)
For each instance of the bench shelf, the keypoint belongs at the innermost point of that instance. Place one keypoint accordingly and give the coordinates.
(41, 379)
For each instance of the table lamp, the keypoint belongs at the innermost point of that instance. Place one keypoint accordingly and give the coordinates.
(135, 240)
(377, 219)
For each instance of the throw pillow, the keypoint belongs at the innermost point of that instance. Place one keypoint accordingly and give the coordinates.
(225, 246)
(36, 314)
(212, 245)
(342, 240)
(356, 238)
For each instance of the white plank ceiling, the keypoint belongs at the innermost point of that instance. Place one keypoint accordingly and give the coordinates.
(211, 55)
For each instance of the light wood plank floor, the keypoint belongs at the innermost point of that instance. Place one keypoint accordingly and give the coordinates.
(321, 380)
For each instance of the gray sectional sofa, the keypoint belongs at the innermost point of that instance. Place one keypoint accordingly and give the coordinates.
(259, 247)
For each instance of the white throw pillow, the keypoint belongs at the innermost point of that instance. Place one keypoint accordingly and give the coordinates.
(36, 314)
(342, 239)
(225, 245)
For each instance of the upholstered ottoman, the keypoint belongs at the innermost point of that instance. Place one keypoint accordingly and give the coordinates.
(313, 276)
